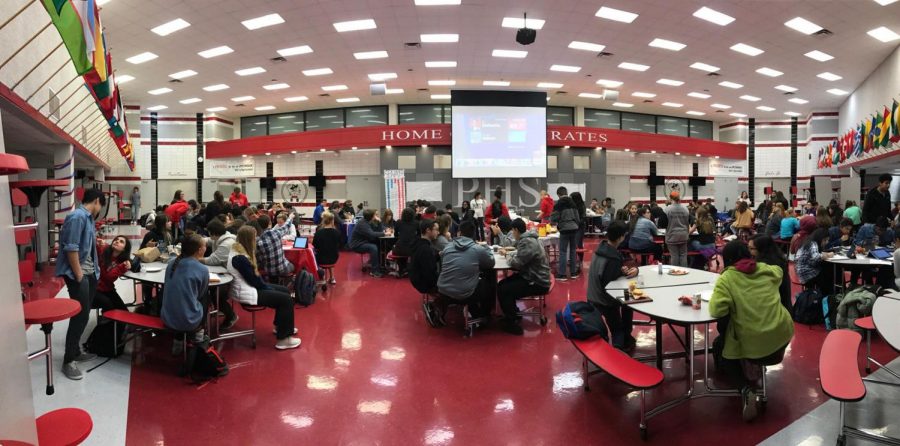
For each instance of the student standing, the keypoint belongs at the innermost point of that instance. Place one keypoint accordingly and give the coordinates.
(135, 205)
(478, 210)
(878, 200)
(327, 242)
(238, 199)
(677, 232)
(565, 216)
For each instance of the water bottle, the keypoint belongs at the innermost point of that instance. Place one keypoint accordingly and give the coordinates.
(659, 267)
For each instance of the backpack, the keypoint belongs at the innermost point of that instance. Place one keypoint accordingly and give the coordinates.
(808, 308)
(496, 210)
(581, 320)
(304, 288)
(101, 342)
(204, 363)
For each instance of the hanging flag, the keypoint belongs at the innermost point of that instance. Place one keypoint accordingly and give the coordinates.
(895, 122)
(858, 140)
(869, 135)
(67, 21)
(876, 130)
(886, 128)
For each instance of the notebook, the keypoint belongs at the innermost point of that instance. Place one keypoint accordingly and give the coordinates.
(301, 242)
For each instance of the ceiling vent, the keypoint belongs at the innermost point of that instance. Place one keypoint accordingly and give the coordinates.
(175, 81)
(823, 33)
(715, 74)
(789, 93)
(278, 59)
(560, 92)
(605, 54)
(422, 89)
(324, 95)
(239, 105)
(412, 45)
(648, 101)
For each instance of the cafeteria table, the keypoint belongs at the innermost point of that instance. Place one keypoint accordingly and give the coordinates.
(302, 258)
(842, 262)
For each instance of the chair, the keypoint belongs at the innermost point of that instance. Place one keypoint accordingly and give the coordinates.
(469, 323)
(393, 264)
(364, 260)
(541, 304)
(868, 325)
(328, 278)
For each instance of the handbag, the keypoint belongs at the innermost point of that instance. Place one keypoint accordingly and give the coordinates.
(148, 254)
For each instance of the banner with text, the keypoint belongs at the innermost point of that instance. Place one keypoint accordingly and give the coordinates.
(231, 168)
(726, 168)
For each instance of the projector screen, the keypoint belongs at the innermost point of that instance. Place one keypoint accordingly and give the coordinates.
(499, 141)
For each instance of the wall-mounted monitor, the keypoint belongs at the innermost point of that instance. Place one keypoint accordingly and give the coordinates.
(697, 181)
(656, 180)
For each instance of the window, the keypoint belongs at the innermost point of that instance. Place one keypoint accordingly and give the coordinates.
(421, 114)
(668, 125)
(407, 162)
(441, 162)
(325, 119)
(285, 123)
(604, 119)
(701, 129)
(366, 116)
(582, 162)
(637, 122)
(560, 116)
(551, 162)
(254, 126)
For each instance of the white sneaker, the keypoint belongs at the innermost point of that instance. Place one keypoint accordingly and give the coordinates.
(275, 331)
(287, 343)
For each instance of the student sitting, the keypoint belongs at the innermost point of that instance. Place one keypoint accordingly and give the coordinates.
(743, 221)
(807, 226)
(868, 237)
(773, 226)
(160, 236)
(643, 231)
(462, 262)
(407, 232)
(184, 303)
(364, 240)
(500, 230)
(809, 263)
(249, 289)
(443, 239)
(269, 248)
(114, 261)
(840, 235)
(220, 242)
(790, 224)
(763, 249)
(532, 279)
(608, 265)
(327, 242)
(424, 270)
(758, 327)
(706, 237)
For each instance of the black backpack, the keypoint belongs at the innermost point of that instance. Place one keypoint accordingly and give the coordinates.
(204, 363)
(305, 288)
(581, 320)
(808, 308)
(101, 342)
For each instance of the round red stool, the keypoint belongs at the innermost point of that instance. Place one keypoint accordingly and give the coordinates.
(253, 309)
(64, 427)
(45, 312)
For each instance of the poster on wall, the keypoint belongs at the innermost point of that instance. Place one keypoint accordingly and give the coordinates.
(424, 190)
(231, 168)
(726, 168)
(395, 190)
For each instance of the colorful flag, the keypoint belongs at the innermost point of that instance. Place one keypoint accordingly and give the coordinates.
(886, 128)
(858, 140)
(895, 122)
(869, 135)
(876, 130)
(67, 21)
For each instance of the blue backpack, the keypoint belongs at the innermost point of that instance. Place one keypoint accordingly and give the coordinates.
(580, 320)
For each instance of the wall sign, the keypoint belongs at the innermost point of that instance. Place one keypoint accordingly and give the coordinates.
(726, 168)
(231, 168)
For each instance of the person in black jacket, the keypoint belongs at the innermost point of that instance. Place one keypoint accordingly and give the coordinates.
(214, 207)
(327, 241)
(424, 269)
(878, 201)
(566, 219)
(407, 232)
(608, 265)
(763, 249)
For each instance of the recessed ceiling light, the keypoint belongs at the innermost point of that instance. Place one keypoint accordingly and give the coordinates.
(278, 86)
(633, 66)
(880, 2)
(217, 51)
(317, 72)
(264, 107)
(334, 87)
(590, 95)
(440, 64)
(124, 78)
(704, 67)
(616, 14)
(262, 22)
(442, 82)
(837, 92)
(495, 83)
(168, 28)
(765, 108)
(157, 91)
(747, 97)
(671, 82)
(157, 107)
(565, 68)
(803, 25)
(394, 91)
(354, 25)
(216, 87)
(250, 71)
(509, 53)
(141, 58)
(294, 51)
(666, 44)
(609, 83)
(766, 71)
(729, 84)
(672, 104)
(829, 76)
(549, 85)
(786, 88)
(790, 113)
(436, 2)
(695, 94)
(381, 77)
(720, 106)
(440, 96)
(439, 38)
(798, 101)
(884, 34)
(587, 46)
(746, 49)
(216, 109)
(295, 99)
(695, 113)
(818, 55)
(183, 74)
(515, 22)
(623, 105)
(351, 99)
(381, 54)
(641, 94)
(243, 98)
(738, 115)
(711, 15)
(190, 101)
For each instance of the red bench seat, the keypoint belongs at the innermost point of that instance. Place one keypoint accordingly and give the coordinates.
(136, 319)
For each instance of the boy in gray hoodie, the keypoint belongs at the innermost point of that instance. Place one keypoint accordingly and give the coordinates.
(461, 263)
(533, 278)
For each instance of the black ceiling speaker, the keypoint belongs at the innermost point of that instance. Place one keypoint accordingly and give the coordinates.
(526, 35)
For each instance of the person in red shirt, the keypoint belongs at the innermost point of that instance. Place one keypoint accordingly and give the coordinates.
(178, 208)
(114, 262)
(546, 207)
(238, 199)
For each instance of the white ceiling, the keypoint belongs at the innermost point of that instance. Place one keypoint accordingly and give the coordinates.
(759, 23)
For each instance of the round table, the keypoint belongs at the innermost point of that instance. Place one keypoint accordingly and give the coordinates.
(885, 314)
(45, 312)
(302, 258)
(840, 262)
(159, 277)
(652, 279)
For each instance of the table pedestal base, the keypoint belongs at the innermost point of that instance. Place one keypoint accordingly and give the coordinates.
(47, 352)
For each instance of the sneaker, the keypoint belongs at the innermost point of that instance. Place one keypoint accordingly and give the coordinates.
(576, 274)
(376, 274)
(332, 281)
(70, 369)
(428, 311)
(275, 331)
(560, 278)
(229, 323)
(84, 357)
(748, 397)
(287, 343)
(512, 327)
(437, 314)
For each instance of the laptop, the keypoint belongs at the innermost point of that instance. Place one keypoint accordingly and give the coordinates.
(301, 242)
(881, 254)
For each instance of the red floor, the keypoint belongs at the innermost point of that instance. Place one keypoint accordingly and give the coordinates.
(370, 371)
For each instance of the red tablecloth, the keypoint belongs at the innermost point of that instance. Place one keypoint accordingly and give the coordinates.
(302, 258)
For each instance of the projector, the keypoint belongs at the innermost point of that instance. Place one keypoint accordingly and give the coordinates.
(526, 36)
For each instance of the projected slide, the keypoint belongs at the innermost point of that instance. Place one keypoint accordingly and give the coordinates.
(499, 142)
